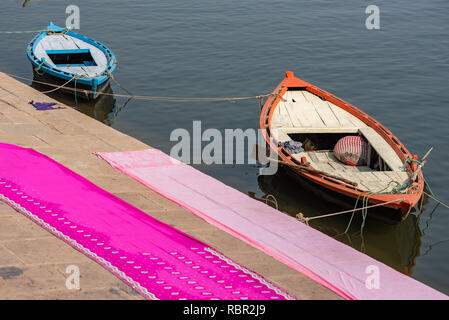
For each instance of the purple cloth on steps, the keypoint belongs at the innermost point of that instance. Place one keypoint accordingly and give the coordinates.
(44, 105)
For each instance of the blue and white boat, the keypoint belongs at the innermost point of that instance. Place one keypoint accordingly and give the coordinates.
(62, 57)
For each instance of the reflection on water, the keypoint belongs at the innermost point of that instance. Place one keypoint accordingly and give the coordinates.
(396, 245)
(105, 108)
(427, 223)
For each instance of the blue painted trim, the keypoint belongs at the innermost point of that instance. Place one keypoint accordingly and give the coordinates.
(111, 66)
(68, 51)
(85, 64)
(74, 65)
(54, 28)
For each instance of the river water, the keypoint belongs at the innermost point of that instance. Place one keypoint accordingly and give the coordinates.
(184, 48)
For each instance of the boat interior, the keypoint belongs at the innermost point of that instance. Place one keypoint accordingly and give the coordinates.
(318, 124)
(76, 58)
(71, 55)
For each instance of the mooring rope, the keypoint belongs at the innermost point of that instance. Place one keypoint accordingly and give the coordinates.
(398, 189)
(365, 206)
(38, 68)
(436, 199)
(306, 220)
(36, 31)
(76, 94)
(151, 98)
(75, 77)
(270, 196)
(117, 83)
(18, 32)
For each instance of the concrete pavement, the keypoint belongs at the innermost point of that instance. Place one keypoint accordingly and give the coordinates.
(33, 262)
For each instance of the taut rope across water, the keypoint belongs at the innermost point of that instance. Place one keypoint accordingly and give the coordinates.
(149, 98)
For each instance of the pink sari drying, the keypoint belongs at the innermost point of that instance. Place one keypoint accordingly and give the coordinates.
(322, 258)
(155, 259)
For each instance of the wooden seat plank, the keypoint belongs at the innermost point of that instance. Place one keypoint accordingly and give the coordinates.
(66, 42)
(280, 135)
(384, 150)
(305, 111)
(323, 109)
(296, 119)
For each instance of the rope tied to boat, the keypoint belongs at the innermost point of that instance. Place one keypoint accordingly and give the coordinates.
(39, 67)
(19, 32)
(365, 205)
(117, 83)
(300, 216)
(261, 102)
(49, 31)
(75, 77)
(398, 189)
(52, 32)
(366, 195)
(269, 197)
(149, 98)
(410, 160)
(432, 196)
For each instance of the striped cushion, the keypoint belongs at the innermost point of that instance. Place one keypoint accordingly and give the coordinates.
(352, 150)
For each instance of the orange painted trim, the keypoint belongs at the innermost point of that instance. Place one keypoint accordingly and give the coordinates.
(290, 81)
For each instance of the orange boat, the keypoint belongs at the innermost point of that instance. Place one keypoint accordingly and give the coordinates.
(300, 111)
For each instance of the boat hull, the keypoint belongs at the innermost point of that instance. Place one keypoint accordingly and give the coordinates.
(78, 63)
(75, 89)
(383, 213)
